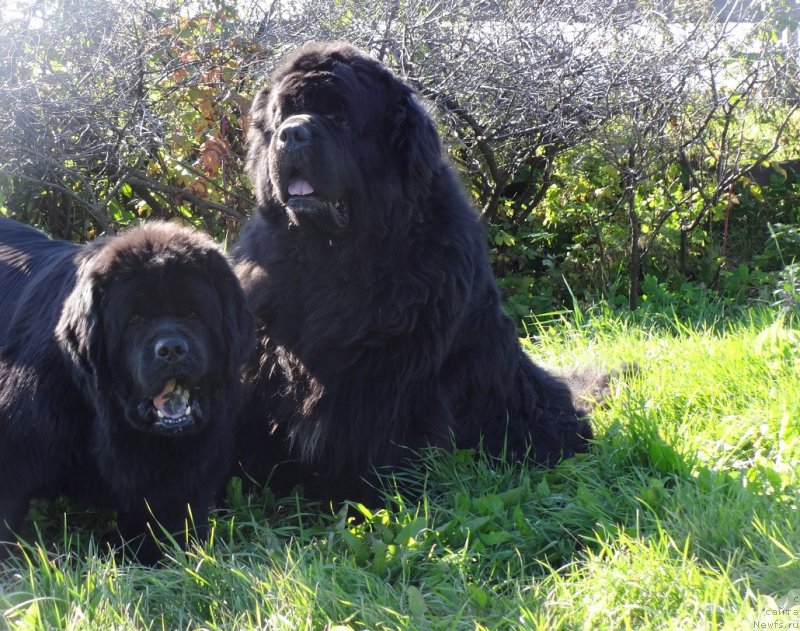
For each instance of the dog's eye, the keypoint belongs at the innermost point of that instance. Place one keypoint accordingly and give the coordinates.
(338, 119)
(134, 320)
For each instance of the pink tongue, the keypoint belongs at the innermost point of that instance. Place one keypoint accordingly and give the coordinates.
(300, 187)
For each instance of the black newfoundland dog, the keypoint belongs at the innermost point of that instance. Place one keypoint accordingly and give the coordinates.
(119, 374)
(380, 322)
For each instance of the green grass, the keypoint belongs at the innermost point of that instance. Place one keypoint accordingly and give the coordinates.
(683, 516)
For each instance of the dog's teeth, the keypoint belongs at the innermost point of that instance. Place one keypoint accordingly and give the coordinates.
(188, 410)
(160, 413)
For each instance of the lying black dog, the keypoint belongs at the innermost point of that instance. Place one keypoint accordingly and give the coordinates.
(381, 325)
(119, 374)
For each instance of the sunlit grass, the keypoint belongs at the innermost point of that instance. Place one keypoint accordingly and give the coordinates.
(683, 515)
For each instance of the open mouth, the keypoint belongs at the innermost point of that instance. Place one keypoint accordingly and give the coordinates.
(172, 410)
(301, 199)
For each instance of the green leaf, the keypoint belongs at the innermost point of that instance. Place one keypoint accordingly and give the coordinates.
(496, 537)
(409, 532)
(416, 602)
(478, 595)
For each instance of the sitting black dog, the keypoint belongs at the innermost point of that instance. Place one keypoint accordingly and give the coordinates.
(381, 324)
(119, 374)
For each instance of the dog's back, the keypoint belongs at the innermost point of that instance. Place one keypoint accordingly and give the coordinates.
(24, 253)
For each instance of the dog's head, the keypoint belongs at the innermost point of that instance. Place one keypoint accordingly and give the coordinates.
(158, 325)
(335, 135)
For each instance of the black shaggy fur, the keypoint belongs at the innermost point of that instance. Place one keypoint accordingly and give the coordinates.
(380, 321)
(89, 336)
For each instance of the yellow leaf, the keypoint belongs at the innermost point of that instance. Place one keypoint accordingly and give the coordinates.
(198, 188)
(206, 108)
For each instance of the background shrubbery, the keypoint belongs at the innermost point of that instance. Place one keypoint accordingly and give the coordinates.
(621, 154)
(637, 153)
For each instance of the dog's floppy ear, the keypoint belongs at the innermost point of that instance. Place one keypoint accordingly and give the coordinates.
(237, 322)
(78, 327)
(414, 137)
(258, 139)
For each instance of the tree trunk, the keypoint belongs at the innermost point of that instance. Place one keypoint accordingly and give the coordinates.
(635, 270)
(628, 182)
(683, 253)
(489, 209)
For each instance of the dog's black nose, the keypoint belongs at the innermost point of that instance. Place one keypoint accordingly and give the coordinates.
(295, 134)
(171, 349)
